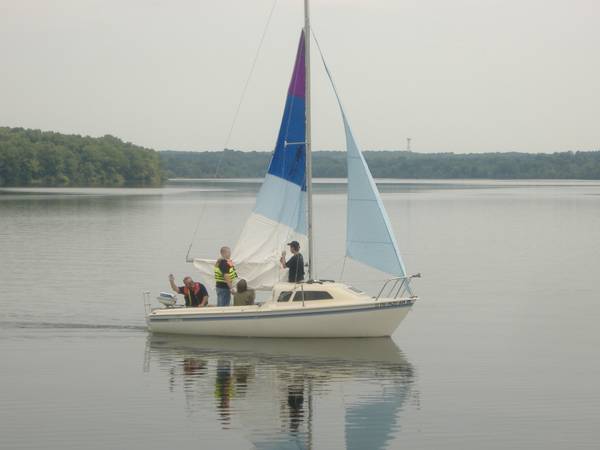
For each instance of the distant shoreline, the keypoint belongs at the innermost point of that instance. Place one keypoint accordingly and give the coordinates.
(34, 158)
(333, 180)
(234, 164)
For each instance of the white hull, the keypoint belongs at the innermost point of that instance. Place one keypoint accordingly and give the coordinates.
(372, 318)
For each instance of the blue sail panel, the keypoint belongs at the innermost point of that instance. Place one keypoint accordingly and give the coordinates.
(282, 197)
(289, 158)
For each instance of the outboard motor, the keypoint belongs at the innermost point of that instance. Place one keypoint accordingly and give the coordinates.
(167, 299)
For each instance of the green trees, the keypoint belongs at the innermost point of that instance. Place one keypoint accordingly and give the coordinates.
(36, 158)
(395, 164)
(223, 164)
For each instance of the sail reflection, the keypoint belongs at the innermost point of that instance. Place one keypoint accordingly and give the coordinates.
(290, 393)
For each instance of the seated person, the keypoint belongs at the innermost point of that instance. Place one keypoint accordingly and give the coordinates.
(243, 296)
(195, 293)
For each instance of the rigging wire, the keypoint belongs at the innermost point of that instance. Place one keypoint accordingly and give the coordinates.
(335, 91)
(343, 268)
(252, 67)
(326, 67)
(233, 122)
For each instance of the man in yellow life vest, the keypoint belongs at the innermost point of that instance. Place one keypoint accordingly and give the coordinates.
(225, 277)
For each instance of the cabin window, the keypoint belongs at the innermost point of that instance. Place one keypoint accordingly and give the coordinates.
(312, 295)
(284, 296)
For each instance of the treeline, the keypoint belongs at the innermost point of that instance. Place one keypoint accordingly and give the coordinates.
(394, 164)
(36, 158)
(40, 158)
(218, 164)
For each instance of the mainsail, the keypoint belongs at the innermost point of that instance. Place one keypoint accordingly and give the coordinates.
(279, 214)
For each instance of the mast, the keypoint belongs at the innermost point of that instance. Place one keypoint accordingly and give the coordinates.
(307, 141)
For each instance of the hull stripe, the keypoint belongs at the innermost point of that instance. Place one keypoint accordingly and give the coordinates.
(276, 315)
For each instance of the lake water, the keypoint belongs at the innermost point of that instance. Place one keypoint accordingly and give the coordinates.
(501, 351)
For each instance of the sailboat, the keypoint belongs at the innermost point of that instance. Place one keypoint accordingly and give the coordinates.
(283, 212)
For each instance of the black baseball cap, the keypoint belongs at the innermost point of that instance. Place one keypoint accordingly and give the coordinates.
(294, 244)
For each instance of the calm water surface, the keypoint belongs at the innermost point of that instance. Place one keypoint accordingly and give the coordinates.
(502, 350)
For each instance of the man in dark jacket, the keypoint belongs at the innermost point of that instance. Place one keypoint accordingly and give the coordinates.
(195, 293)
(295, 264)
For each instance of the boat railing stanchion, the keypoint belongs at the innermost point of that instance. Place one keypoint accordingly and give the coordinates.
(400, 288)
(385, 286)
(385, 283)
(381, 290)
(393, 287)
(146, 301)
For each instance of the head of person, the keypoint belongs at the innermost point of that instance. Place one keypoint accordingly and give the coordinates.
(188, 282)
(242, 286)
(225, 252)
(294, 246)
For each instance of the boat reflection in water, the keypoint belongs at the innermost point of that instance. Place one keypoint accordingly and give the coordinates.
(291, 393)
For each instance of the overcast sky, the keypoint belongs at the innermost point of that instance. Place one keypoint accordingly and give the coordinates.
(454, 75)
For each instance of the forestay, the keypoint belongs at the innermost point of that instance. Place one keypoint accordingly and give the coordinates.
(279, 214)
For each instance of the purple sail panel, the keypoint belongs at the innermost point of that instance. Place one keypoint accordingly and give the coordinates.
(297, 85)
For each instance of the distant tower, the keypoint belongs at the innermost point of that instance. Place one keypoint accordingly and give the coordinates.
(408, 144)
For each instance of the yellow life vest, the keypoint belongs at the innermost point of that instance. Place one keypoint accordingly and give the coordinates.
(220, 276)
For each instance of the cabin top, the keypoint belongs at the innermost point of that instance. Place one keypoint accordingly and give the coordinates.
(316, 290)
